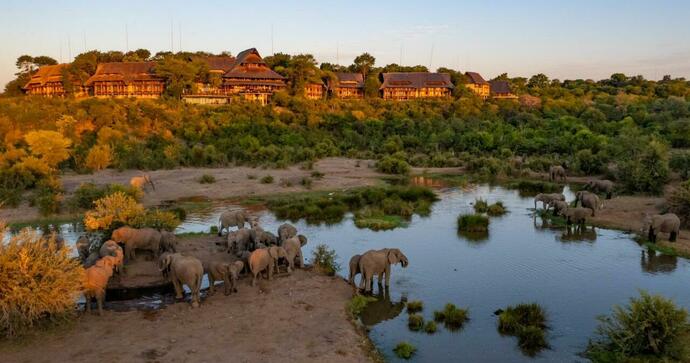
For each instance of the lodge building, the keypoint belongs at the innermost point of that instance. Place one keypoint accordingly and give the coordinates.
(251, 78)
(347, 86)
(314, 90)
(48, 81)
(501, 90)
(126, 79)
(412, 85)
(478, 85)
(210, 91)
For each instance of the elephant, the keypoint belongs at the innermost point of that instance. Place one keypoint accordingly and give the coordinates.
(83, 245)
(232, 218)
(557, 172)
(382, 309)
(240, 240)
(91, 259)
(601, 186)
(140, 182)
(265, 259)
(546, 198)
(558, 206)
(133, 238)
(111, 248)
(161, 259)
(95, 281)
(588, 200)
(168, 242)
(267, 238)
(293, 248)
(577, 215)
(228, 272)
(244, 257)
(378, 262)
(667, 223)
(286, 231)
(354, 269)
(185, 270)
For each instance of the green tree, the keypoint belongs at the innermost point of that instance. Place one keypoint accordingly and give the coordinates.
(364, 63)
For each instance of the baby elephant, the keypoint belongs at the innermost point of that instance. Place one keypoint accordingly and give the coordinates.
(228, 272)
(95, 281)
(577, 215)
(667, 223)
(265, 259)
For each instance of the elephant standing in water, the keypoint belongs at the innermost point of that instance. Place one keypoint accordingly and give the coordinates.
(378, 262)
(547, 198)
(232, 218)
(558, 206)
(666, 223)
(601, 186)
(185, 270)
(577, 215)
(354, 269)
(588, 200)
(556, 173)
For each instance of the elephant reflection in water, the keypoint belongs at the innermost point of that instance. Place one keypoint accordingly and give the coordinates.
(382, 309)
(654, 262)
(579, 233)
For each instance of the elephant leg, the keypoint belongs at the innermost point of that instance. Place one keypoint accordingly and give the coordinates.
(178, 288)
(388, 275)
(673, 236)
(650, 236)
(99, 301)
(362, 282)
(270, 272)
(211, 285)
(87, 306)
(380, 278)
(254, 278)
(301, 259)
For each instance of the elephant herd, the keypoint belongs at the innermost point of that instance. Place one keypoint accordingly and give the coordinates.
(590, 203)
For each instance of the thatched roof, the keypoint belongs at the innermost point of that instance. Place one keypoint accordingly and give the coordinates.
(219, 63)
(501, 87)
(46, 74)
(415, 80)
(347, 80)
(124, 72)
(476, 78)
(249, 64)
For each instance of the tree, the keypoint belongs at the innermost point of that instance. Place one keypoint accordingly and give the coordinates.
(180, 75)
(538, 81)
(50, 146)
(99, 157)
(364, 63)
(138, 55)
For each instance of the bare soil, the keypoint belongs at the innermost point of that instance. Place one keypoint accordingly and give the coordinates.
(293, 318)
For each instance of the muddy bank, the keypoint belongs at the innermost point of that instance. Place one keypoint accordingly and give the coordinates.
(296, 318)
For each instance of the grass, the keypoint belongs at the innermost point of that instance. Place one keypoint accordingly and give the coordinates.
(207, 179)
(473, 223)
(481, 206)
(317, 174)
(404, 350)
(415, 322)
(357, 304)
(376, 220)
(533, 187)
(528, 323)
(430, 327)
(496, 209)
(415, 306)
(46, 221)
(325, 260)
(268, 179)
(452, 317)
(251, 176)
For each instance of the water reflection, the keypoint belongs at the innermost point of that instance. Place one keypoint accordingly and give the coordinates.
(654, 262)
(578, 233)
(383, 308)
(474, 238)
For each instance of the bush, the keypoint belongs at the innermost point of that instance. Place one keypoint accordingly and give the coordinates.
(496, 209)
(648, 325)
(156, 218)
(414, 306)
(528, 323)
(404, 350)
(40, 282)
(251, 176)
(207, 179)
(268, 179)
(647, 172)
(393, 165)
(415, 322)
(430, 327)
(679, 203)
(325, 259)
(680, 163)
(306, 182)
(473, 223)
(357, 304)
(317, 174)
(113, 210)
(47, 199)
(480, 206)
(452, 316)
(87, 193)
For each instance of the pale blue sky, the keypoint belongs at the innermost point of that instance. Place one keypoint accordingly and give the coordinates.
(563, 39)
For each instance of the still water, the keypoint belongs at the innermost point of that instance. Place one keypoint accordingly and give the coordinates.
(574, 277)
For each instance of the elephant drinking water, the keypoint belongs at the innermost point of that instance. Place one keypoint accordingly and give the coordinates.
(378, 262)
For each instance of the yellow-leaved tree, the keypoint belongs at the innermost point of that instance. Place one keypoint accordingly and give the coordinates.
(115, 208)
(99, 157)
(49, 146)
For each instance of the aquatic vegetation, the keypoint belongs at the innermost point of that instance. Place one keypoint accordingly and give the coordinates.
(452, 317)
(358, 303)
(325, 259)
(404, 350)
(649, 326)
(496, 209)
(268, 179)
(473, 223)
(480, 206)
(534, 187)
(43, 290)
(207, 179)
(430, 327)
(415, 322)
(528, 323)
(414, 306)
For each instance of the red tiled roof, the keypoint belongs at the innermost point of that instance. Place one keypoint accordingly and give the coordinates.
(415, 80)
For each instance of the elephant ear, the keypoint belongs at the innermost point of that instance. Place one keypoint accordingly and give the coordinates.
(302, 240)
(239, 265)
(271, 252)
(392, 256)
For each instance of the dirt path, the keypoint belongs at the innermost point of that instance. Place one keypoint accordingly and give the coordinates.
(300, 318)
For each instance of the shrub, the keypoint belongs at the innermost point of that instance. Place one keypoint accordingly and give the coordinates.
(430, 327)
(47, 199)
(496, 209)
(268, 179)
(453, 317)
(393, 165)
(87, 193)
(40, 282)
(404, 350)
(480, 206)
(251, 176)
(648, 325)
(528, 323)
(156, 218)
(113, 210)
(207, 179)
(680, 163)
(532, 339)
(414, 306)
(679, 203)
(415, 322)
(99, 157)
(357, 304)
(647, 172)
(317, 174)
(325, 259)
(306, 182)
(473, 223)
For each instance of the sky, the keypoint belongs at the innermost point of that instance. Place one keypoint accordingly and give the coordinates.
(564, 39)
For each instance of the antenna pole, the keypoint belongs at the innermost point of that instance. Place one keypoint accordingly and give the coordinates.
(431, 57)
(179, 28)
(126, 37)
(84, 34)
(401, 53)
(272, 49)
(172, 48)
(337, 53)
(69, 48)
